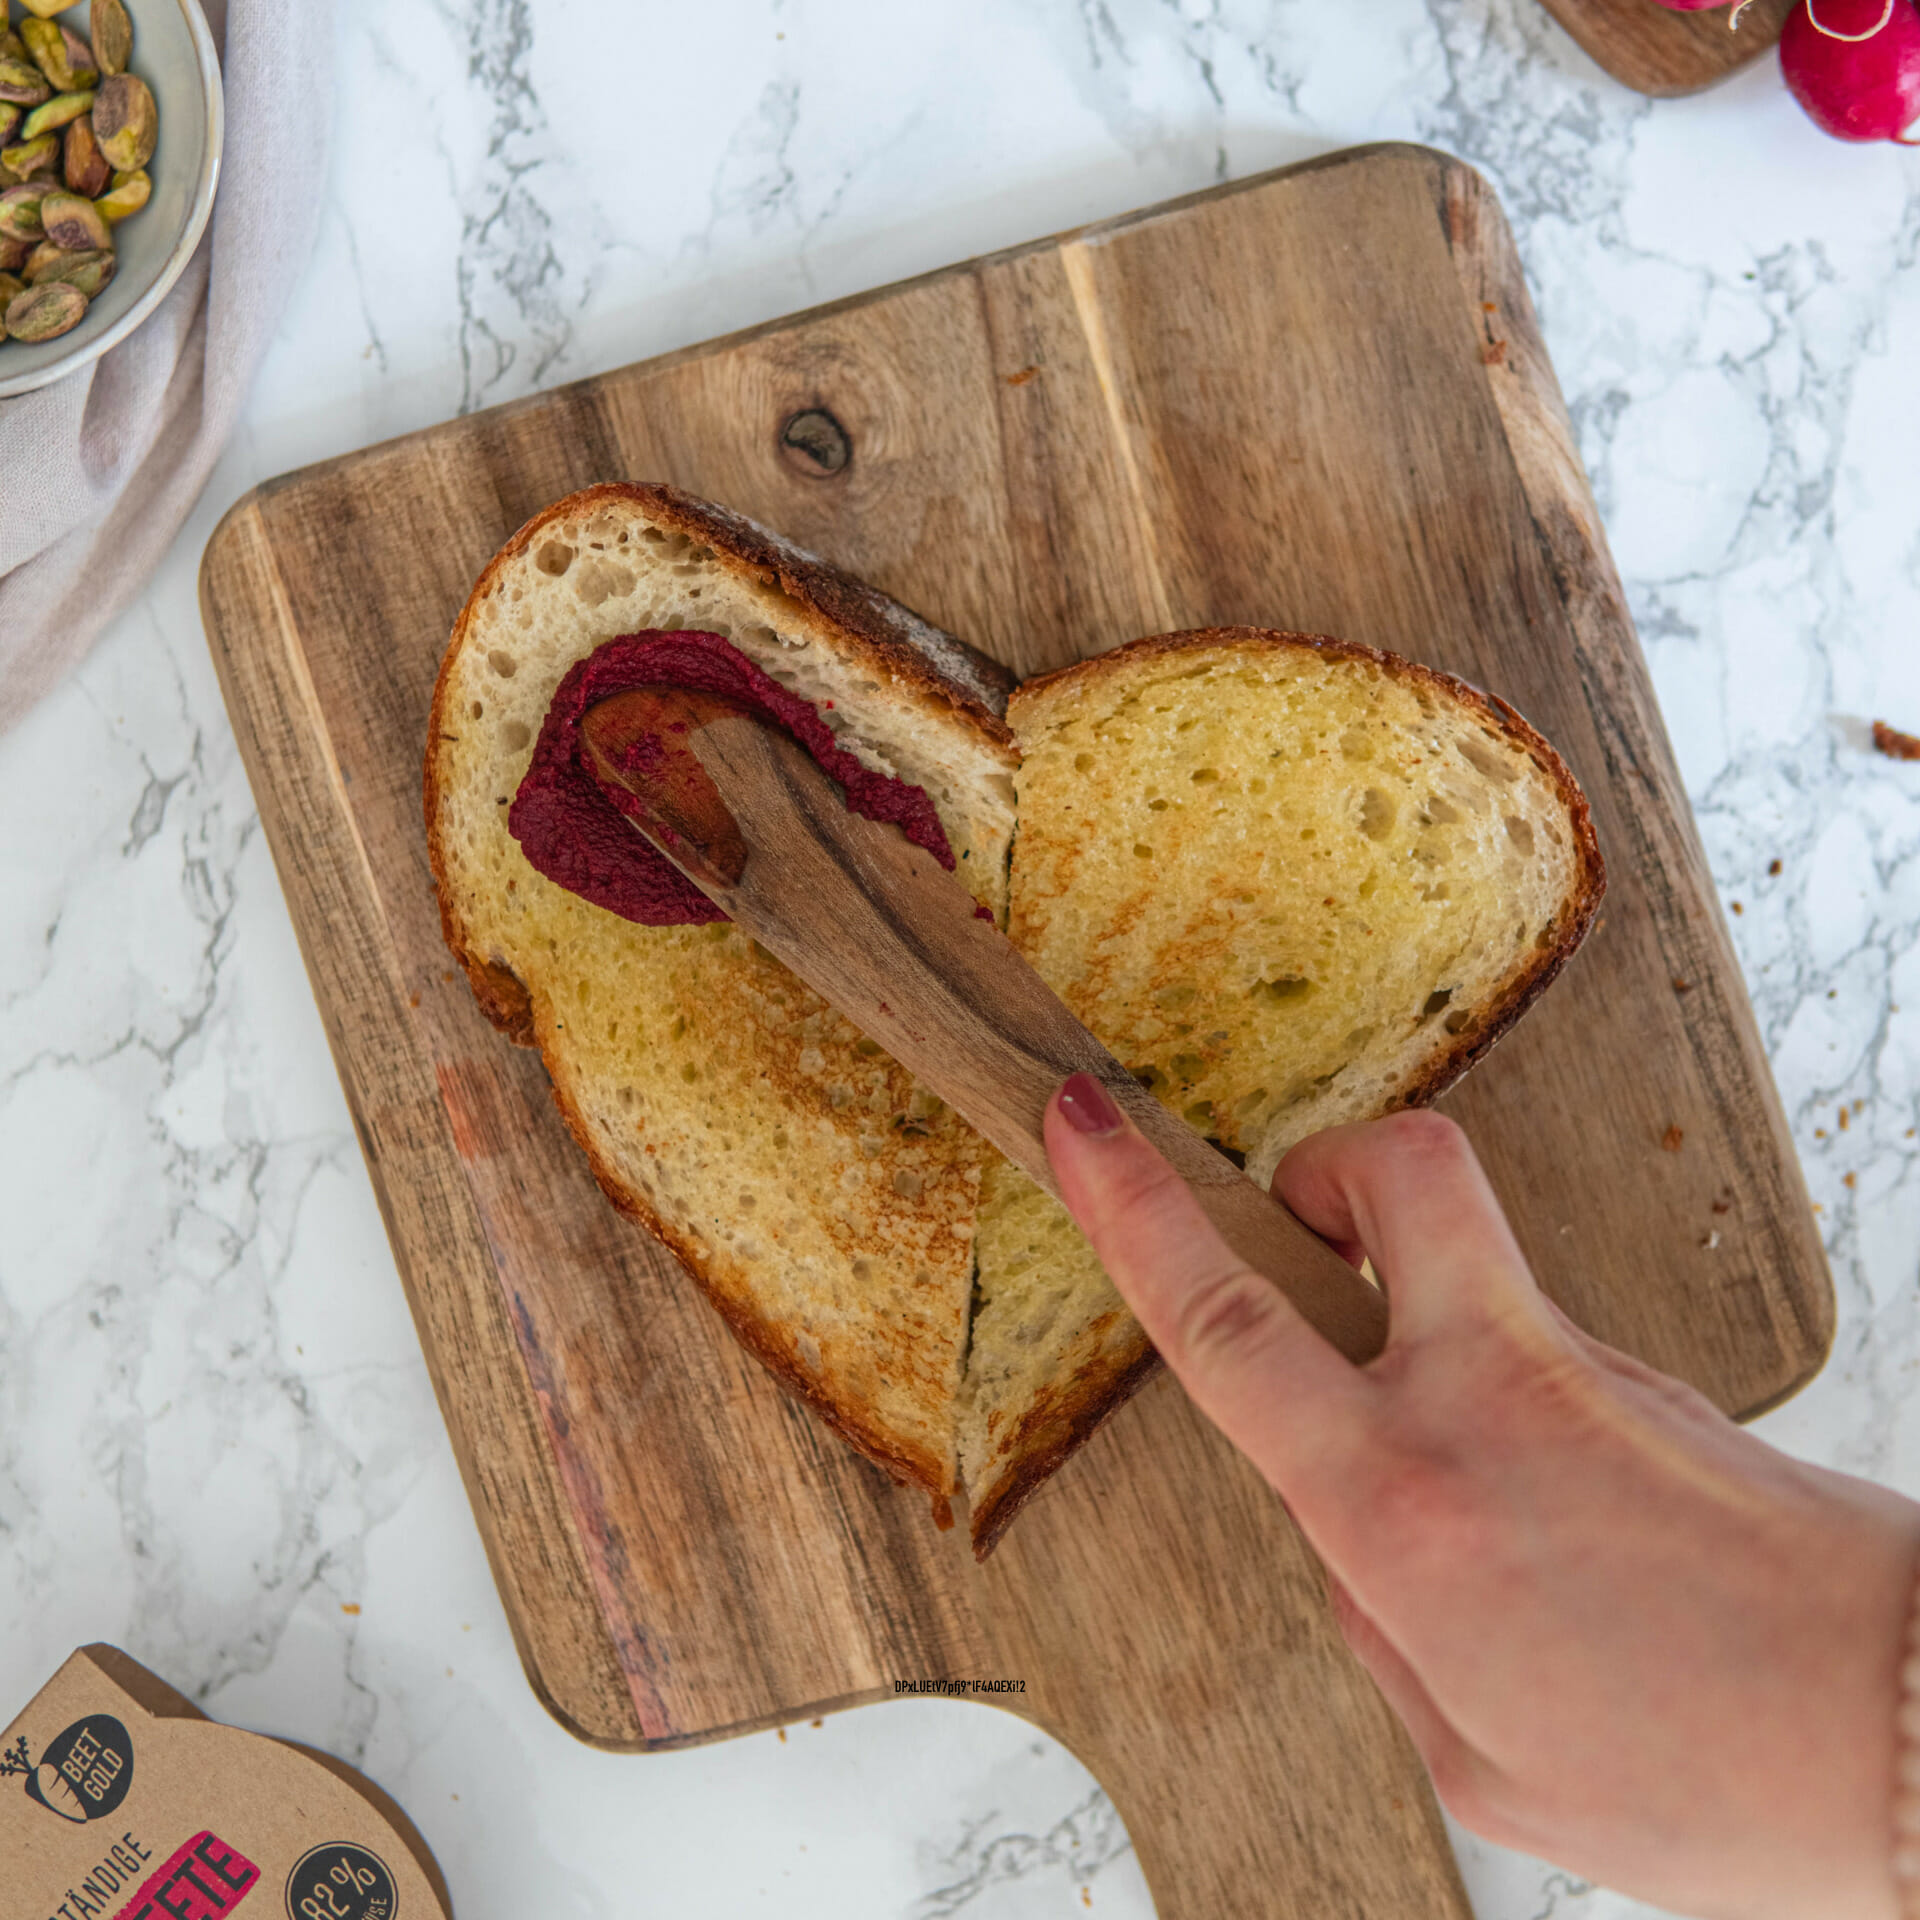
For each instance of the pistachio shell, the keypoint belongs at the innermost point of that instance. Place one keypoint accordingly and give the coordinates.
(112, 32)
(83, 166)
(126, 122)
(9, 119)
(60, 54)
(129, 193)
(20, 213)
(46, 8)
(61, 111)
(22, 82)
(72, 221)
(10, 284)
(45, 312)
(31, 156)
(90, 271)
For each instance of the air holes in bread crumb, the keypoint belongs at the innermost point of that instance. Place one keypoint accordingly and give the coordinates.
(1436, 1002)
(515, 735)
(478, 709)
(1199, 1115)
(1520, 832)
(1172, 999)
(504, 664)
(554, 557)
(1204, 776)
(1083, 763)
(908, 1184)
(1440, 813)
(1486, 760)
(1279, 992)
(1141, 851)
(1376, 814)
(599, 580)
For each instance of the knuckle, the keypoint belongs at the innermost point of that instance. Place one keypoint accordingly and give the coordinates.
(1427, 1135)
(1225, 1309)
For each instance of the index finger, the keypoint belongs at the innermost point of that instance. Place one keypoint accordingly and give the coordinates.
(1241, 1349)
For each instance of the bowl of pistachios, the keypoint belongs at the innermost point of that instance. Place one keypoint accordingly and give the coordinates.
(110, 132)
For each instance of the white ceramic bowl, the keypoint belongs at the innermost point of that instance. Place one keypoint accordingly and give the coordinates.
(174, 54)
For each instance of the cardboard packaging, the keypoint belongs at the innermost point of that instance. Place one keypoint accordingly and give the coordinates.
(121, 1800)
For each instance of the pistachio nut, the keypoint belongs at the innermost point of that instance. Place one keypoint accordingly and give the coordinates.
(47, 8)
(128, 194)
(51, 115)
(20, 213)
(12, 47)
(22, 83)
(44, 255)
(13, 254)
(42, 261)
(126, 122)
(9, 119)
(60, 54)
(31, 156)
(90, 271)
(83, 166)
(45, 312)
(10, 284)
(73, 222)
(112, 32)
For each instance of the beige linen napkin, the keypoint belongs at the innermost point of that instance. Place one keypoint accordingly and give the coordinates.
(98, 471)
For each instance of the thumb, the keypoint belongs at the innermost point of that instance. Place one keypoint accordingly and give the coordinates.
(1250, 1362)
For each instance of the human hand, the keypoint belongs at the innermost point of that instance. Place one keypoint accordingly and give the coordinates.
(1624, 1634)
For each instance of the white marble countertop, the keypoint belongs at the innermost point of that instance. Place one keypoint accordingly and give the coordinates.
(218, 1446)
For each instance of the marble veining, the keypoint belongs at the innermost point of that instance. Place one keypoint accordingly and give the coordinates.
(218, 1444)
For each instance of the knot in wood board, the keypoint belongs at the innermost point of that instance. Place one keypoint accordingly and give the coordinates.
(815, 443)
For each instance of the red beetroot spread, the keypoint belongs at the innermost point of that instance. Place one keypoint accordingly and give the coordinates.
(572, 831)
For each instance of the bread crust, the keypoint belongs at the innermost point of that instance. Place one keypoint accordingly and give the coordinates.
(922, 662)
(1054, 1429)
(1556, 944)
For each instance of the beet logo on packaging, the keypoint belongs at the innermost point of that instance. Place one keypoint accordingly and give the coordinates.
(84, 1773)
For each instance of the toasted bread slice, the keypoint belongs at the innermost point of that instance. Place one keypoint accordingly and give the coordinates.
(1290, 882)
(823, 1199)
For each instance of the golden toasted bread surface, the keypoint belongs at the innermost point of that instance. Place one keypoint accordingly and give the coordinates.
(1289, 882)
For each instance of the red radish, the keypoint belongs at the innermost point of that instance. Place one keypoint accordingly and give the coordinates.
(1855, 66)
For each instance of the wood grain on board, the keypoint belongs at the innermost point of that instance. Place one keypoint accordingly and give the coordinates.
(1316, 400)
(1658, 51)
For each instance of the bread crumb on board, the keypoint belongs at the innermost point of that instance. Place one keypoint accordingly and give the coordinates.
(1895, 744)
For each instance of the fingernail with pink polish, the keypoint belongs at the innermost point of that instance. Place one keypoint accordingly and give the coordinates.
(1088, 1107)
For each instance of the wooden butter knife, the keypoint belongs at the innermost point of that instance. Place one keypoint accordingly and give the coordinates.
(876, 926)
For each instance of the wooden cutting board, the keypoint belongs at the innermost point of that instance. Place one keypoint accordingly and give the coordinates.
(1316, 399)
(1658, 51)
